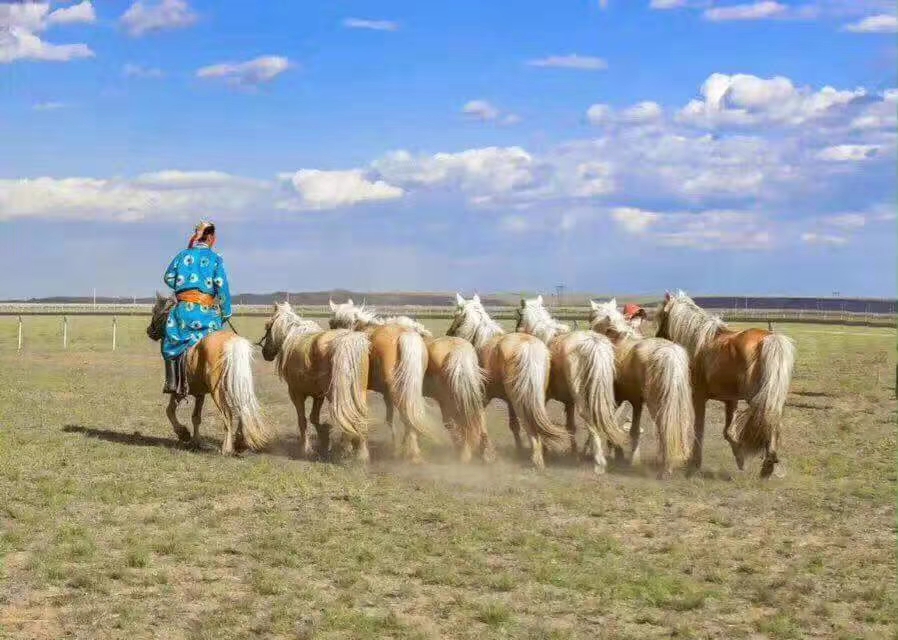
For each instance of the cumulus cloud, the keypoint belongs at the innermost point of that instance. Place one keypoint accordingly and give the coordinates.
(571, 61)
(668, 4)
(165, 195)
(599, 114)
(847, 152)
(847, 220)
(373, 25)
(145, 17)
(318, 190)
(487, 112)
(247, 74)
(633, 220)
(643, 112)
(22, 26)
(883, 23)
(750, 11)
(747, 100)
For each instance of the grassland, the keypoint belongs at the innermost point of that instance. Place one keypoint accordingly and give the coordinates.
(109, 529)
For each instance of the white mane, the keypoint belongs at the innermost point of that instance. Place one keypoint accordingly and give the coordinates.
(536, 320)
(689, 324)
(288, 333)
(605, 318)
(350, 316)
(472, 323)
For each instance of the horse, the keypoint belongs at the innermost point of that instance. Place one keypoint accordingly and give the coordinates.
(581, 376)
(653, 372)
(516, 366)
(399, 360)
(453, 377)
(321, 364)
(221, 365)
(727, 365)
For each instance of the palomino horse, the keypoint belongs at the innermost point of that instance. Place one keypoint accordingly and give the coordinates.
(220, 364)
(753, 365)
(321, 364)
(581, 377)
(654, 372)
(398, 358)
(453, 377)
(517, 371)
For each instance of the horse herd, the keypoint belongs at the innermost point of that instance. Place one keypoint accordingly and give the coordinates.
(695, 357)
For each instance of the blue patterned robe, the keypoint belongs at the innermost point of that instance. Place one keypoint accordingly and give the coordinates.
(202, 269)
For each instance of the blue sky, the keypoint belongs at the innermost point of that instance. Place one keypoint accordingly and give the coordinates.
(620, 147)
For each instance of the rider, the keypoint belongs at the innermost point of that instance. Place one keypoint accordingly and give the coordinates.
(197, 275)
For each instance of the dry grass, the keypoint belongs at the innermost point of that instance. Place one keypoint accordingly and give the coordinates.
(110, 529)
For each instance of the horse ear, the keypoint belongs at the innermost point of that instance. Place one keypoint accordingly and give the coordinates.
(159, 296)
(613, 303)
(458, 299)
(593, 305)
(539, 299)
(476, 298)
(331, 303)
(666, 296)
(350, 302)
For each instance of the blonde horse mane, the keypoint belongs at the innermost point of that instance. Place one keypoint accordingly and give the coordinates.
(351, 316)
(536, 320)
(688, 324)
(290, 333)
(604, 317)
(472, 323)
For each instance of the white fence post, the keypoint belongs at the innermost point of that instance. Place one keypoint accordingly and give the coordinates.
(19, 349)
(65, 332)
(114, 327)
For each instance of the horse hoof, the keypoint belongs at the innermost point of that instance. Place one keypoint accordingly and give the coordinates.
(665, 475)
(599, 469)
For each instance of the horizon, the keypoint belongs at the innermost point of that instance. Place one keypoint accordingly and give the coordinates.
(603, 145)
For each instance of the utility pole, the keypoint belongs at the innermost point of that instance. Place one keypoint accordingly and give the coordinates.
(559, 293)
(95, 298)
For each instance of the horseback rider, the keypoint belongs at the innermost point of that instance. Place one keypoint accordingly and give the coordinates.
(198, 277)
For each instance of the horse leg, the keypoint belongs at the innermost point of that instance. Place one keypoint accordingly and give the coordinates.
(196, 418)
(570, 422)
(536, 455)
(770, 457)
(171, 411)
(451, 425)
(323, 430)
(299, 402)
(487, 450)
(515, 426)
(636, 431)
(388, 418)
(695, 461)
(730, 411)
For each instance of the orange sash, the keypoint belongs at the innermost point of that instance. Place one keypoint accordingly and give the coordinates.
(197, 297)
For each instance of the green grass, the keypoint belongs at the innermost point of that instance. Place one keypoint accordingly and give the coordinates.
(108, 528)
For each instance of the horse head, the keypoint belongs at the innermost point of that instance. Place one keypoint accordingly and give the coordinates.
(159, 316)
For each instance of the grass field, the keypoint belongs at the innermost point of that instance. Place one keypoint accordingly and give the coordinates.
(109, 529)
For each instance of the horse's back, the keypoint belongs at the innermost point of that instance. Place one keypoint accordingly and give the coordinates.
(730, 367)
(205, 361)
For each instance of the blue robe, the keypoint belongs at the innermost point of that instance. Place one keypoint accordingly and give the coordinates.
(202, 269)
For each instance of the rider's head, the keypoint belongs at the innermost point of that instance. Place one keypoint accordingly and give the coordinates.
(203, 232)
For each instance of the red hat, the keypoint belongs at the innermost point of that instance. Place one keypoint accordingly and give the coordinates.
(631, 310)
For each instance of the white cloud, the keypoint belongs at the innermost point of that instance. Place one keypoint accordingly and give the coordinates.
(571, 61)
(20, 24)
(82, 12)
(480, 109)
(319, 190)
(137, 71)
(883, 23)
(708, 230)
(847, 220)
(747, 100)
(668, 4)
(633, 220)
(374, 25)
(122, 200)
(144, 17)
(751, 11)
(599, 114)
(250, 73)
(848, 153)
(516, 224)
(642, 112)
(823, 239)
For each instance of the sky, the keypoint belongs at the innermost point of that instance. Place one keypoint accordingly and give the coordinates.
(612, 146)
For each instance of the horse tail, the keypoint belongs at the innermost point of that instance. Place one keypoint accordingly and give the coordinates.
(238, 395)
(349, 382)
(757, 424)
(408, 381)
(591, 378)
(463, 378)
(669, 397)
(526, 389)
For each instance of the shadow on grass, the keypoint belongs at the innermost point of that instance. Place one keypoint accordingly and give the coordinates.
(135, 438)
